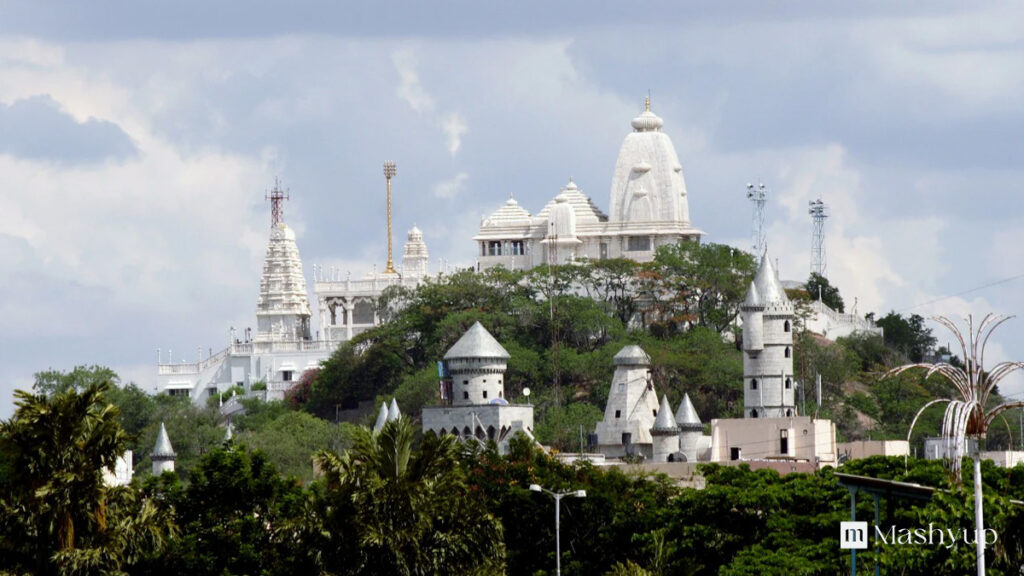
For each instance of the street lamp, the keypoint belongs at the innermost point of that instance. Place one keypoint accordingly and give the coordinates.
(558, 509)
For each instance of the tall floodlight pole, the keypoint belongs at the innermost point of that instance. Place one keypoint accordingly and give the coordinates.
(389, 173)
(819, 212)
(759, 196)
(558, 518)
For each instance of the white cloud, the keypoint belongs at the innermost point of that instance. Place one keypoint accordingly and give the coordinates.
(412, 92)
(451, 187)
(409, 88)
(454, 127)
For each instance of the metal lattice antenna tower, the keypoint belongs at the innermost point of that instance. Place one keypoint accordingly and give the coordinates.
(277, 198)
(389, 173)
(819, 212)
(759, 196)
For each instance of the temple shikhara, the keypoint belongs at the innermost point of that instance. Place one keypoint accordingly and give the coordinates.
(648, 207)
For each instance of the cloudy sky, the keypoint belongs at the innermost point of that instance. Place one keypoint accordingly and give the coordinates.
(136, 146)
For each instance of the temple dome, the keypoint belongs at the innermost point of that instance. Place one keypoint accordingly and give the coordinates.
(562, 218)
(647, 121)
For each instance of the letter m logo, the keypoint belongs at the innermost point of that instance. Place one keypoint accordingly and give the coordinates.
(853, 535)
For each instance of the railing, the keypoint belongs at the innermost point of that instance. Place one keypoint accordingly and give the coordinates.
(368, 285)
(839, 318)
(245, 348)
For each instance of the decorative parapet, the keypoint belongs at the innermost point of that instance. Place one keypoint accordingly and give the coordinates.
(832, 324)
(245, 349)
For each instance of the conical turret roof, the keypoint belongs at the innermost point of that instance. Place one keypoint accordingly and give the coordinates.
(664, 422)
(753, 299)
(686, 416)
(393, 412)
(631, 355)
(382, 417)
(767, 282)
(163, 449)
(477, 342)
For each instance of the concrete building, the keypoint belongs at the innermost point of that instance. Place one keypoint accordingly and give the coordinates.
(163, 455)
(122, 472)
(282, 348)
(648, 208)
(348, 307)
(867, 448)
(473, 387)
(796, 438)
(940, 447)
(833, 325)
(767, 314)
(632, 407)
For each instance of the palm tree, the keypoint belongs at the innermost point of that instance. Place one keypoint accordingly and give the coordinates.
(968, 415)
(57, 513)
(395, 510)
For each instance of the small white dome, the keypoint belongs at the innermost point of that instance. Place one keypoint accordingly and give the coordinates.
(647, 121)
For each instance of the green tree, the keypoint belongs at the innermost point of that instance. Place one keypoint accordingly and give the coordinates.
(238, 515)
(694, 284)
(393, 510)
(818, 287)
(57, 515)
(909, 336)
(50, 382)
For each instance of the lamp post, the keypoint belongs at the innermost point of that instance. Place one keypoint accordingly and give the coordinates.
(558, 514)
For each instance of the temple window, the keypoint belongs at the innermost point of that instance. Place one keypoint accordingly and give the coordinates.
(638, 243)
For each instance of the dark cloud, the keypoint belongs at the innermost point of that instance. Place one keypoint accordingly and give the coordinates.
(188, 19)
(36, 128)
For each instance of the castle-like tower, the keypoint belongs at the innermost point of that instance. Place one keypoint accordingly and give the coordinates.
(690, 429)
(474, 375)
(476, 365)
(768, 385)
(664, 434)
(163, 453)
(632, 405)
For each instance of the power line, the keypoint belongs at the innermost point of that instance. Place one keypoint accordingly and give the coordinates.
(975, 289)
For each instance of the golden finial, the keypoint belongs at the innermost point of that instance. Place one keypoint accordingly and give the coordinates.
(647, 103)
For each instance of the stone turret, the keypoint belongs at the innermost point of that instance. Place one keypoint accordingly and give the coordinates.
(690, 429)
(632, 405)
(163, 455)
(382, 418)
(768, 318)
(476, 364)
(664, 433)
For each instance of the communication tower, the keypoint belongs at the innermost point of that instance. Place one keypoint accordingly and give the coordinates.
(759, 196)
(819, 212)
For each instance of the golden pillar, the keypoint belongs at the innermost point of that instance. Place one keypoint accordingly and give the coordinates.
(389, 172)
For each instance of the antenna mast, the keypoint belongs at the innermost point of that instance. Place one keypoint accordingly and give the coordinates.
(819, 212)
(277, 198)
(758, 196)
(389, 173)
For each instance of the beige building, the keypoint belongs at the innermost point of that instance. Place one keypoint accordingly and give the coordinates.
(796, 438)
